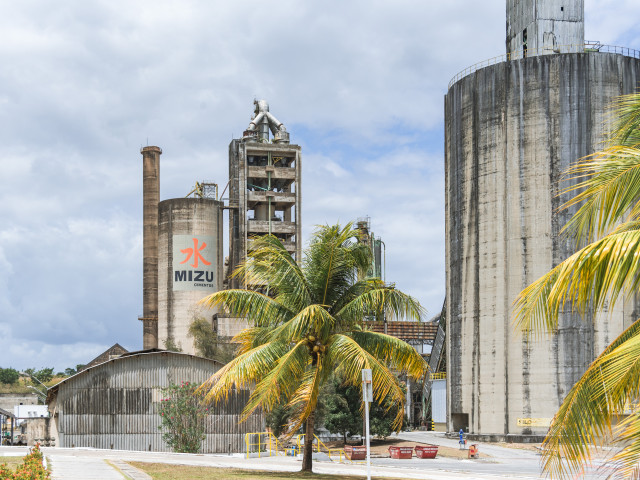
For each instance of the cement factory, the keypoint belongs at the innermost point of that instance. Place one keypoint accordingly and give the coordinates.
(183, 245)
(512, 127)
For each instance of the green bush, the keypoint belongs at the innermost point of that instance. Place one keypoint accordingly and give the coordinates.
(182, 412)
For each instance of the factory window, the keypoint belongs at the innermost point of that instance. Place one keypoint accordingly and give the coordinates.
(562, 9)
(524, 42)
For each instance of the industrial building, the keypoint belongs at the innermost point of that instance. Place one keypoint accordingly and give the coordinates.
(265, 195)
(512, 127)
(114, 405)
(183, 237)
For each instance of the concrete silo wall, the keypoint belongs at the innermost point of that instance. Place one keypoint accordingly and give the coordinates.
(511, 130)
(186, 274)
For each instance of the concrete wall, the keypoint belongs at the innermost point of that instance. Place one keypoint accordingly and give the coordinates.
(550, 24)
(178, 308)
(10, 400)
(256, 186)
(510, 131)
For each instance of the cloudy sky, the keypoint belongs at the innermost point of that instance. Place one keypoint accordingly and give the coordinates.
(83, 85)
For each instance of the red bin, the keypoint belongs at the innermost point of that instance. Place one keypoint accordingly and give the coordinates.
(355, 453)
(403, 453)
(426, 451)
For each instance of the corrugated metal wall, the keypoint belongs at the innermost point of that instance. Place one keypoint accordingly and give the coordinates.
(439, 401)
(114, 405)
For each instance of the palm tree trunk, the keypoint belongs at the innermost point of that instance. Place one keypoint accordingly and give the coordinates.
(307, 457)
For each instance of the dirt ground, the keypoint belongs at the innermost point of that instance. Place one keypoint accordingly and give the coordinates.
(380, 448)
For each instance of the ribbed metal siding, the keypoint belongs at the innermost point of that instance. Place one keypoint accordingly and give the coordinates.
(114, 405)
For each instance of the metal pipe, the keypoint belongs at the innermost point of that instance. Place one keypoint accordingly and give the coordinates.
(384, 263)
(269, 189)
(274, 124)
(253, 124)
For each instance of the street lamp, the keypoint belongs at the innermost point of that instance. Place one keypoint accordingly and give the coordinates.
(42, 395)
(46, 389)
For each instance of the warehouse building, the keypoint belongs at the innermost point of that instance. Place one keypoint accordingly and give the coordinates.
(114, 405)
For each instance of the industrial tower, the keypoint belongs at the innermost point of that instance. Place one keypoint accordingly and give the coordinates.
(264, 188)
(511, 130)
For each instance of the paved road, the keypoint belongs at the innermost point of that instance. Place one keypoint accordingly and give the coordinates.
(505, 463)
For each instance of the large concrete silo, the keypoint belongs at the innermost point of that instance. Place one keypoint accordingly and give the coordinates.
(190, 267)
(511, 130)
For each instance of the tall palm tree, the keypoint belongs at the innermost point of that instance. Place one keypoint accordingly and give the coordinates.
(602, 408)
(310, 325)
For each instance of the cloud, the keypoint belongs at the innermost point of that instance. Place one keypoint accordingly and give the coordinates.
(83, 86)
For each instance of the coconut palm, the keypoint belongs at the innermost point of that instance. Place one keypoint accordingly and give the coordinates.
(602, 408)
(309, 325)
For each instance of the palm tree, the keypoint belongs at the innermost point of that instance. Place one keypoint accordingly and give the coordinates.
(310, 325)
(602, 408)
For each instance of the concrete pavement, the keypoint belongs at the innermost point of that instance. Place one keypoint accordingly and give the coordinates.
(505, 463)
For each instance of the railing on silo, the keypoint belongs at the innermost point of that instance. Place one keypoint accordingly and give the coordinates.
(587, 47)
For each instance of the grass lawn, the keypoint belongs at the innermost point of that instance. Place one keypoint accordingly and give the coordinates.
(12, 462)
(161, 471)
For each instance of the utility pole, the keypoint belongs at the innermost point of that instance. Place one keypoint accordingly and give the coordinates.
(367, 397)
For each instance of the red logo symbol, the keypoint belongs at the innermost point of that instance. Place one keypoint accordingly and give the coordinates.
(195, 253)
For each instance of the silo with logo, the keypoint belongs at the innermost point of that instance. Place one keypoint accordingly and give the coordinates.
(190, 266)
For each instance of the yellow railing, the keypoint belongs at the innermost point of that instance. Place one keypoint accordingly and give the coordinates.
(266, 440)
(438, 376)
(319, 446)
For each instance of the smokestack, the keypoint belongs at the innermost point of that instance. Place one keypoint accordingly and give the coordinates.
(151, 198)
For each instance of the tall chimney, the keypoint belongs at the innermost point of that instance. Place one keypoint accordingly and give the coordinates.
(151, 198)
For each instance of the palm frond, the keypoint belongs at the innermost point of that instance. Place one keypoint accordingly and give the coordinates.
(588, 279)
(243, 370)
(608, 188)
(385, 299)
(314, 319)
(281, 381)
(626, 462)
(392, 351)
(334, 261)
(305, 398)
(585, 416)
(250, 338)
(347, 358)
(625, 116)
(269, 263)
(255, 306)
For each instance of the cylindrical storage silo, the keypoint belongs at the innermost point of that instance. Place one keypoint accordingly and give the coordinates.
(511, 130)
(190, 266)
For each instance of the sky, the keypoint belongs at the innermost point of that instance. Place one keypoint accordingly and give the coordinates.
(84, 85)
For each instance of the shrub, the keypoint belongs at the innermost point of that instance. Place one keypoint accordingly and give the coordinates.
(31, 467)
(182, 414)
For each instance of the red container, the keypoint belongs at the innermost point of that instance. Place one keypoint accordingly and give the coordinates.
(355, 453)
(426, 451)
(403, 453)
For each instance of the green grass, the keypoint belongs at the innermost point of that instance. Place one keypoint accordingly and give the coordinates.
(161, 471)
(12, 462)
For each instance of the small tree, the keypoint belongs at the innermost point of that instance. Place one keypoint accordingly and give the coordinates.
(207, 343)
(9, 375)
(278, 418)
(343, 413)
(182, 412)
